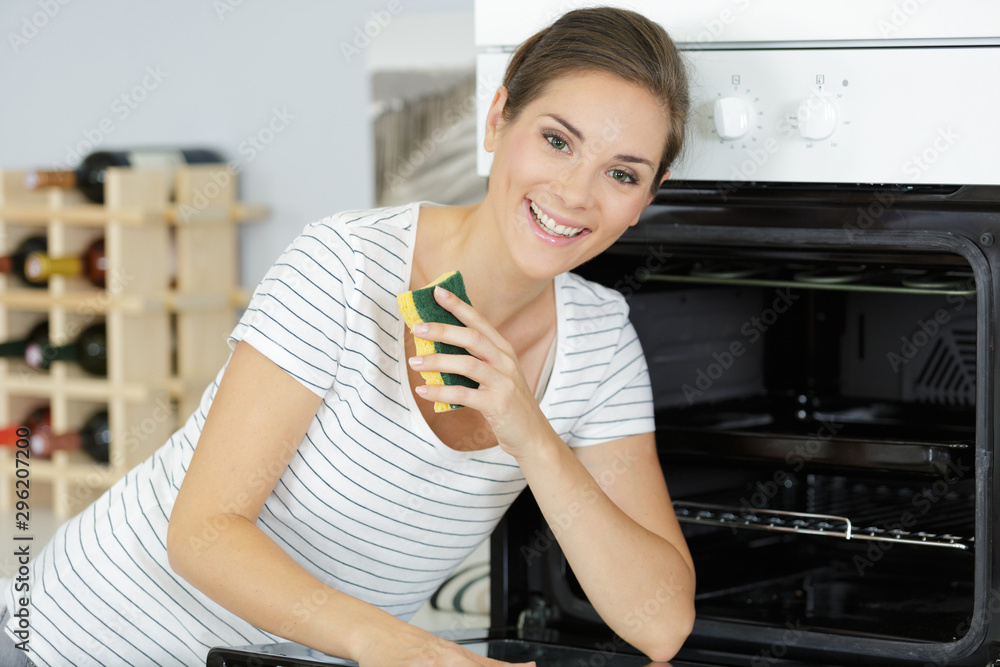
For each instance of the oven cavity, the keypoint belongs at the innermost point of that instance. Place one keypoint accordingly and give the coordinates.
(816, 419)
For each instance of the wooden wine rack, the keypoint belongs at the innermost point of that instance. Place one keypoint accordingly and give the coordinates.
(166, 339)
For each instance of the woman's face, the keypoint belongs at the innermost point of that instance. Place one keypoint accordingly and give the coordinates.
(573, 170)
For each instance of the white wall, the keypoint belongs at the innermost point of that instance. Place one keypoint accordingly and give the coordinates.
(426, 40)
(224, 69)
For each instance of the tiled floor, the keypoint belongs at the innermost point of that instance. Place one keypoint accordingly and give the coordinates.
(474, 601)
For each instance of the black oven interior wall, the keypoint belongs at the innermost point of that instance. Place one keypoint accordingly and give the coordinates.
(817, 392)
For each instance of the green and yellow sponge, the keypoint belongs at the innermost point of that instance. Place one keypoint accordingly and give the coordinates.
(419, 306)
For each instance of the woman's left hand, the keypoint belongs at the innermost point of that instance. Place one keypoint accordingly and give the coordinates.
(503, 397)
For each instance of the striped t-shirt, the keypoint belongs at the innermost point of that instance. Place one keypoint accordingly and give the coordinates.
(372, 503)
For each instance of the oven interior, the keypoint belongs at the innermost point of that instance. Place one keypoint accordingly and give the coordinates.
(817, 426)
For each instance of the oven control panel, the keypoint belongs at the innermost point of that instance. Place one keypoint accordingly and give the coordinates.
(916, 115)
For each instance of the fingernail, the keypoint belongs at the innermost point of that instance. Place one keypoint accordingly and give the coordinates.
(442, 292)
(422, 389)
(421, 328)
(416, 361)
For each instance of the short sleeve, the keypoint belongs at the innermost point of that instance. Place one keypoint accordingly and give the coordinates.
(296, 317)
(622, 402)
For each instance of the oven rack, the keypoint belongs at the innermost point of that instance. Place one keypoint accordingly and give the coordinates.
(850, 278)
(806, 523)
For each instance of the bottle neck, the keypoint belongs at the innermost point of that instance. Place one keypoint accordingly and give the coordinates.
(34, 180)
(38, 422)
(13, 349)
(39, 266)
(9, 435)
(16, 348)
(43, 444)
(40, 355)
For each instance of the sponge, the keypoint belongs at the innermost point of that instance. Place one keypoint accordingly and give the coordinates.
(419, 306)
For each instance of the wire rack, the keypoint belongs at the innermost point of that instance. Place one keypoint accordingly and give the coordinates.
(904, 516)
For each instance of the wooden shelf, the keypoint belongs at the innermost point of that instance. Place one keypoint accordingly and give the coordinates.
(172, 299)
(95, 215)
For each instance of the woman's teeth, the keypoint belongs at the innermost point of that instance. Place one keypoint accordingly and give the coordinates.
(546, 222)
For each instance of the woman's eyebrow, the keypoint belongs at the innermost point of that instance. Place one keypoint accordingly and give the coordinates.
(569, 128)
(634, 159)
(579, 135)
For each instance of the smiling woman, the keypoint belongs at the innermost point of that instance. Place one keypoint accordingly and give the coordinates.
(578, 160)
(316, 496)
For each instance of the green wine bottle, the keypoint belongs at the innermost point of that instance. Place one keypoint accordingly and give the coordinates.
(89, 351)
(17, 348)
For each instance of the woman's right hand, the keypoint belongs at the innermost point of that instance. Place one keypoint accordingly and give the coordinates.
(409, 646)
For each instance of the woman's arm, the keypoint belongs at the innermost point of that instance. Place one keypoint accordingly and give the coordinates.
(608, 507)
(259, 416)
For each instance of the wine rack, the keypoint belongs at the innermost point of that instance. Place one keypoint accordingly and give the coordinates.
(170, 300)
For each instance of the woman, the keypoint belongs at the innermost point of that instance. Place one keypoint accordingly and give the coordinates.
(326, 500)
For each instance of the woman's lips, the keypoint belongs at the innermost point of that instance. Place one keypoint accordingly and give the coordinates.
(552, 228)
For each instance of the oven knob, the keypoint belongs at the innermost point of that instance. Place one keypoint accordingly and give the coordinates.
(732, 117)
(817, 118)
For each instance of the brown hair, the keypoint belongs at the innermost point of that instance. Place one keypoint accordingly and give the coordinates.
(616, 41)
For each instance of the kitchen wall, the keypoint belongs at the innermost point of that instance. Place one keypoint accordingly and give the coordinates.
(281, 88)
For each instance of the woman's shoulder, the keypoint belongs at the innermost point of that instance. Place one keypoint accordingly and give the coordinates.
(586, 298)
(390, 219)
(360, 235)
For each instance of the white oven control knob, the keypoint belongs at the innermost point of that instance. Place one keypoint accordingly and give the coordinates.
(817, 118)
(732, 117)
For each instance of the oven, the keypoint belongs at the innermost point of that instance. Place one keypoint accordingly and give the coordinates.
(816, 291)
(826, 420)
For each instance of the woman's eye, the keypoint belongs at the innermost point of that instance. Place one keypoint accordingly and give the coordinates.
(557, 143)
(622, 176)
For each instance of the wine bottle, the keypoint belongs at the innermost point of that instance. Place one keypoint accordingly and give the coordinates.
(93, 438)
(17, 348)
(89, 177)
(13, 264)
(37, 421)
(89, 350)
(92, 264)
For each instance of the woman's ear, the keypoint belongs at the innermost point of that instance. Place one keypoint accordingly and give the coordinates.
(494, 119)
(663, 180)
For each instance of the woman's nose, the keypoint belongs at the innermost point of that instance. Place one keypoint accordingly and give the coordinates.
(574, 186)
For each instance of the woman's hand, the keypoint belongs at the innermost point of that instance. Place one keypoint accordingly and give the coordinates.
(410, 646)
(503, 397)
